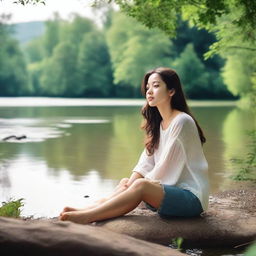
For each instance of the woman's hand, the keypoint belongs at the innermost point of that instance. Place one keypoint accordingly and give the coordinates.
(134, 176)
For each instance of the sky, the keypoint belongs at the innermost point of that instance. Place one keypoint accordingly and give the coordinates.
(42, 12)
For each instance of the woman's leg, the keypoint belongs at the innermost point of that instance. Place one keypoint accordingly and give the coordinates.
(119, 189)
(140, 190)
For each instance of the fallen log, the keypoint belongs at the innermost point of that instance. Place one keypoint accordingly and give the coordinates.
(14, 137)
(51, 238)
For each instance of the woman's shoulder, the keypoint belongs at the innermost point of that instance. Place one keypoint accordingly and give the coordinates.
(183, 125)
(183, 118)
(180, 121)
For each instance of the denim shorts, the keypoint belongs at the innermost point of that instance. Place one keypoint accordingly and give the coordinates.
(178, 202)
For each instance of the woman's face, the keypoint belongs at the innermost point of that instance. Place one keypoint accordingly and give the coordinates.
(157, 93)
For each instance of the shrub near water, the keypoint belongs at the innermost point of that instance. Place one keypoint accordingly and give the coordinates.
(247, 166)
(11, 208)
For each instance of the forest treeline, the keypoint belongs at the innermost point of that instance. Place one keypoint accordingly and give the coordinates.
(77, 58)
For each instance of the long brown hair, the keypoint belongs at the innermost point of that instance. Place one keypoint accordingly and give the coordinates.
(152, 117)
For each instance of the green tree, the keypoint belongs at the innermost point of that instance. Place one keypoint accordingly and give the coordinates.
(192, 72)
(13, 72)
(59, 70)
(233, 22)
(94, 67)
(201, 40)
(237, 72)
(135, 49)
(51, 37)
(59, 75)
(238, 75)
(163, 14)
(75, 30)
(34, 50)
(35, 71)
(239, 50)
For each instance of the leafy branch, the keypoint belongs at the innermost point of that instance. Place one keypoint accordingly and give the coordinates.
(25, 2)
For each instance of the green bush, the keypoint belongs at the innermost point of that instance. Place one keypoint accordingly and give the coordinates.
(11, 208)
(247, 165)
(177, 242)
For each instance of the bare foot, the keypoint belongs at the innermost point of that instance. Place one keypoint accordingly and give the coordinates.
(80, 217)
(69, 209)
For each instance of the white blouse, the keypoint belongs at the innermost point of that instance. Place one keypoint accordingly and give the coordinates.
(179, 159)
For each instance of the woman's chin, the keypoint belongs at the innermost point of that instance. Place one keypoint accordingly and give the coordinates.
(151, 104)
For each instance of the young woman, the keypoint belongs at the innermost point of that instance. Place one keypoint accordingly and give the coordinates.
(171, 175)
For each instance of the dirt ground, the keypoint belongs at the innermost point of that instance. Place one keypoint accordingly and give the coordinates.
(243, 197)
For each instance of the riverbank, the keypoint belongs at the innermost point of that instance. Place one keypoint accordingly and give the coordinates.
(241, 195)
(230, 223)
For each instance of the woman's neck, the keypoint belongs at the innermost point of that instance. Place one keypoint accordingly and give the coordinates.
(166, 113)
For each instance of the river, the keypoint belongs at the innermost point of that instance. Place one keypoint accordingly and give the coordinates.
(76, 150)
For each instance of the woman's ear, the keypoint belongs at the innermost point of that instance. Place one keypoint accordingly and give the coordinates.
(171, 92)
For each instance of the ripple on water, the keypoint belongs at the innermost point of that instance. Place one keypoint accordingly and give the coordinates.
(39, 130)
(87, 121)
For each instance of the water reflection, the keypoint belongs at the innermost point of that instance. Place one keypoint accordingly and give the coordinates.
(5, 180)
(95, 147)
(85, 149)
(235, 126)
(44, 194)
(211, 120)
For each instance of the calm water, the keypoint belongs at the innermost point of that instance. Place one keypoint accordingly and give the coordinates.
(74, 151)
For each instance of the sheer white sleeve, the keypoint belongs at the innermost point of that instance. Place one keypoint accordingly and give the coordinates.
(172, 158)
(145, 164)
(171, 163)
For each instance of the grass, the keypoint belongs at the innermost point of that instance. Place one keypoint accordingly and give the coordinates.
(11, 208)
(176, 243)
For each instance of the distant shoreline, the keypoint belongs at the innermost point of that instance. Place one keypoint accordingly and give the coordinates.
(65, 102)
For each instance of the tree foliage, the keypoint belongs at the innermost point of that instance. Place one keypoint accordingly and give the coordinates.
(237, 71)
(71, 59)
(233, 22)
(24, 2)
(135, 49)
(78, 59)
(51, 37)
(94, 66)
(34, 50)
(75, 30)
(59, 74)
(193, 74)
(163, 13)
(13, 72)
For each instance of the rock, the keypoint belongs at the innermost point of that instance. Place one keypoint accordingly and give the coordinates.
(230, 221)
(45, 237)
